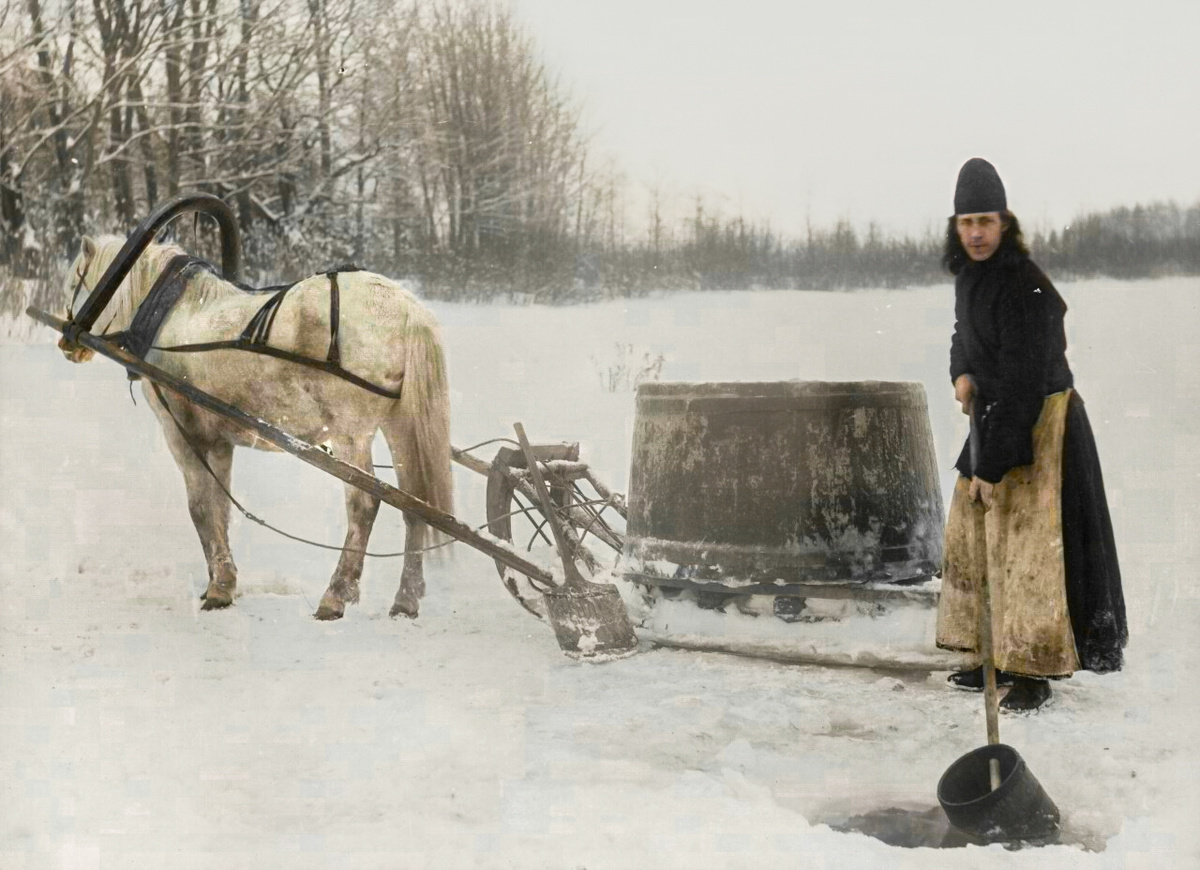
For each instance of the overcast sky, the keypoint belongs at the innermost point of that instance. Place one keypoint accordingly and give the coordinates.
(788, 110)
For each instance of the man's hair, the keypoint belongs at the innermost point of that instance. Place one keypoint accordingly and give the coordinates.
(954, 255)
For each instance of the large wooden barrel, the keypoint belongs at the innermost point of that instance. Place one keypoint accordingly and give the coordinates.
(759, 486)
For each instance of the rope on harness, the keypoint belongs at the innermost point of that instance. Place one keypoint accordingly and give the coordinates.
(200, 456)
(473, 447)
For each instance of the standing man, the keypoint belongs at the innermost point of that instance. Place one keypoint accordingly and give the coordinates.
(1057, 603)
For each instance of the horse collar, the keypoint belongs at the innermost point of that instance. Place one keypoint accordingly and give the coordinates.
(150, 314)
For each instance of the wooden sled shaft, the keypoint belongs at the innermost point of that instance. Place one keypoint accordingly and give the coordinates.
(309, 453)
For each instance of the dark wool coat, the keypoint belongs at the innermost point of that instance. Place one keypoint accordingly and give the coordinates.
(1009, 336)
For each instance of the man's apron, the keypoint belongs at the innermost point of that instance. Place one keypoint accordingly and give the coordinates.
(1031, 626)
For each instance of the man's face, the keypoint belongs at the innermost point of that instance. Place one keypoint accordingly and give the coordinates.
(980, 233)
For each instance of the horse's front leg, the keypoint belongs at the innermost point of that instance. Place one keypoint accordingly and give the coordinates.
(206, 493)
(210, 514)
(361, 509)
(412, 579)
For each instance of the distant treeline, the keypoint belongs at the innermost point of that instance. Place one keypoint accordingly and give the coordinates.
(419, 138)
(1139, 242)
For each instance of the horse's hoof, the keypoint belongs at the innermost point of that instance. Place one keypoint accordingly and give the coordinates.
(214, 603)
(331, 607)
(405, 609)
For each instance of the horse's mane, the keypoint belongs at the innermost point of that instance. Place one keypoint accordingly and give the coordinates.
(129, 295)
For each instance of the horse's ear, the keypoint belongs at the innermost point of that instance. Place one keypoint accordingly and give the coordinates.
(88, 248)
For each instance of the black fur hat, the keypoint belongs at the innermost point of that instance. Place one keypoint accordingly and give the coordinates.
(979, 188)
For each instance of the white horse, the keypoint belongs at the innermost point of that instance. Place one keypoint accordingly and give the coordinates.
(385, 336)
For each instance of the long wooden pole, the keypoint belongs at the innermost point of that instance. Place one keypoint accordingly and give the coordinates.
(990, 701)
(397, 498)
(571, 571)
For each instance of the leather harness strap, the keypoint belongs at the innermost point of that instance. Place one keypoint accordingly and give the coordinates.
(168, 289)
(150, 314)
(258, 330)
(334, 356)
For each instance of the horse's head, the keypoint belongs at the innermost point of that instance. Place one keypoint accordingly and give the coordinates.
(95, 256)
(81, 277)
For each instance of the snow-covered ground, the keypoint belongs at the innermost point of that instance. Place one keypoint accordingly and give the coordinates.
(139, 732)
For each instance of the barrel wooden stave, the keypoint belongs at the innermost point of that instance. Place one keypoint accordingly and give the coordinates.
(784, 482)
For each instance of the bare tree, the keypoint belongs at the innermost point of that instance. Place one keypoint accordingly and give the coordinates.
(499, 147)
(364, 126)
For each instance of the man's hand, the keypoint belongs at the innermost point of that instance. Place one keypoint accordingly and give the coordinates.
(981, 490)
(964, 392)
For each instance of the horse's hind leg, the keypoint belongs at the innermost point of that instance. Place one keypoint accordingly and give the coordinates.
(361, 509)
(401, 439)
(412, 578)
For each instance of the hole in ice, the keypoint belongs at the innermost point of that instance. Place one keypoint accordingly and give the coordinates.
(929, 828)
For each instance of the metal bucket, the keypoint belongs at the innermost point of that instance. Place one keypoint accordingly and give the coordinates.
(1018, 810)
(760, 485)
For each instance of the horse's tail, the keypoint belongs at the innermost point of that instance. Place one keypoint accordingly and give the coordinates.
(424, 407)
